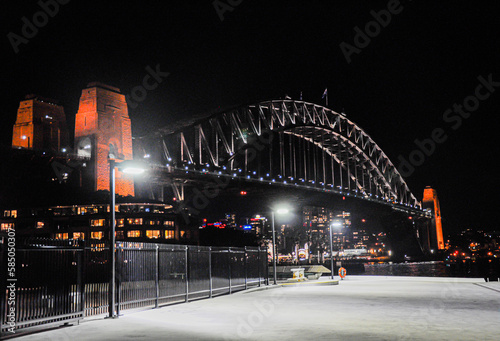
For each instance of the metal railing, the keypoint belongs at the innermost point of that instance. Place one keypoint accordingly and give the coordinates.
(43, 285)
(157, 274)
(60, 282)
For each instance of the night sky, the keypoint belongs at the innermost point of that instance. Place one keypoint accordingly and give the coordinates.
(397, 86)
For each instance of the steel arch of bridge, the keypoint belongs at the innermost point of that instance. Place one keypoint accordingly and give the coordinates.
(285, 142)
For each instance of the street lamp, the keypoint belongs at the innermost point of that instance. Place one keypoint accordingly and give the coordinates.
(279, 211)
(332, 225)
(129, 167)
(24, 137)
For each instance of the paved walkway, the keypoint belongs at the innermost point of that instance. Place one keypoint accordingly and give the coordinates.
(359, 308)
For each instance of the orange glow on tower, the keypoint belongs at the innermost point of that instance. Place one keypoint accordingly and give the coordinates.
(40, 125)
(102, 130)
(431, 201)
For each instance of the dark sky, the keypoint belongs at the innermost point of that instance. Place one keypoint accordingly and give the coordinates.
(397, 87)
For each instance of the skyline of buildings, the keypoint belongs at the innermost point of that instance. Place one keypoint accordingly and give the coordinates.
(308, 240)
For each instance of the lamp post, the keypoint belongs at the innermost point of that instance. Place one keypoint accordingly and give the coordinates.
(332, 225)
(130, 167)
(274, 248)
(279, 211)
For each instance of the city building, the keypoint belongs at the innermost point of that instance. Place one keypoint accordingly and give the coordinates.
(134, 222)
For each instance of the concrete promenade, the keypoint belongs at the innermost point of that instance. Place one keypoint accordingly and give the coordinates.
(359, 308)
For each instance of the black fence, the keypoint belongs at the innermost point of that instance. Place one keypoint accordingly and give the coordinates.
(46, 282)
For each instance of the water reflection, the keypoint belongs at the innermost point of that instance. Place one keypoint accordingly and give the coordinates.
(431, 269)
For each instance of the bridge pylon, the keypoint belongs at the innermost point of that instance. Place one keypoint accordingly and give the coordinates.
(435, 228)
(102, 131)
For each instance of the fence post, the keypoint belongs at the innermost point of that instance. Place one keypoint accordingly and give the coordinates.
(246, 268)
(266, 270)
(186, 273)
(258, 265)
(83, 274)
(157, 272)
(119, 267)
(229, 266)
(79, 277)
(3, 280)
(210, 271)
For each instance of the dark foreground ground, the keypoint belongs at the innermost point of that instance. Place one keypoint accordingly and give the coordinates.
(359, 308)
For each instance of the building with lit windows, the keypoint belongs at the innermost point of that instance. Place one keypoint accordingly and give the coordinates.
(44, 182)
(134, 222)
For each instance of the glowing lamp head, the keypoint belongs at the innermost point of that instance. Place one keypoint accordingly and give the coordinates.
(132, 167)
(282, 210)
(133, 170)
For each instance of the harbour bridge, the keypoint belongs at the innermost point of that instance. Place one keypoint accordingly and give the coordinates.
(292, 144)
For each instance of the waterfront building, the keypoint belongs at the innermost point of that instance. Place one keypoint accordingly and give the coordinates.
(135, 221)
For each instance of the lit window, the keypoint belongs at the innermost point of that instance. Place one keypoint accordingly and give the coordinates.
(61, 236)
(120, 222)
(169, 234)
(154, 222)
(183, 234)
(169, 223)
(82, 210)
(97, 235)
(97, 222)
(153, 234)
(117, 208)
(10, 213)
(6, 226)
(79, 235)
(134, 221)
(133, 234)
(40, 224)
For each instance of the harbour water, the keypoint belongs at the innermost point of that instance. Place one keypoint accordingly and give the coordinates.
(432, 269)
